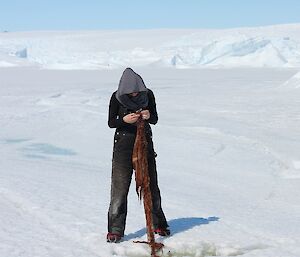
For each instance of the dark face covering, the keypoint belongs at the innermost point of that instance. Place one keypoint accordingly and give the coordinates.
(131, 82)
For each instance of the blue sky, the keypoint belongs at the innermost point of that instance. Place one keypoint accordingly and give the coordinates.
(18, 15)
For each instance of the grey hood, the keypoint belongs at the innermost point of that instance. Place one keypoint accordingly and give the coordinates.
(132, 82)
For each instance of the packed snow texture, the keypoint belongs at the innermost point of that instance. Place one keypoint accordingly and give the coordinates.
(228, 163)
(272, 46)
(293, 82)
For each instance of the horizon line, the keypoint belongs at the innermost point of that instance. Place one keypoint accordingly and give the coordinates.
(158, 28)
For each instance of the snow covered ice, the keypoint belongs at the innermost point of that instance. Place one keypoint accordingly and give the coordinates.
(272, 46)
(227, 142)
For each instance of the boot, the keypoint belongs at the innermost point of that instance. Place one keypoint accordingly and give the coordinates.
(162, 231)
(113, 237)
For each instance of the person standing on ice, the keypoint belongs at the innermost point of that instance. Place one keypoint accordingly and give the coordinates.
(131, 97)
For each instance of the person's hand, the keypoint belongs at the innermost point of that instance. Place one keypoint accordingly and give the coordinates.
(131, 118)
(145, 114)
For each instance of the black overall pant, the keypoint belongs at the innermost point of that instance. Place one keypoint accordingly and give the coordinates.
(122, 170)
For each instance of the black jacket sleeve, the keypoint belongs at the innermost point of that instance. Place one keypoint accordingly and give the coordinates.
(152, 108)
(114, 121)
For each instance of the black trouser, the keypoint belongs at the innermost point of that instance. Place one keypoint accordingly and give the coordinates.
(122, 170)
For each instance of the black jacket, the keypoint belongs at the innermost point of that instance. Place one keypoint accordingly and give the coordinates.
(118, 111)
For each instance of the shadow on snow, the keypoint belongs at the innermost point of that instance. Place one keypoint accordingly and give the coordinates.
(177, 226)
